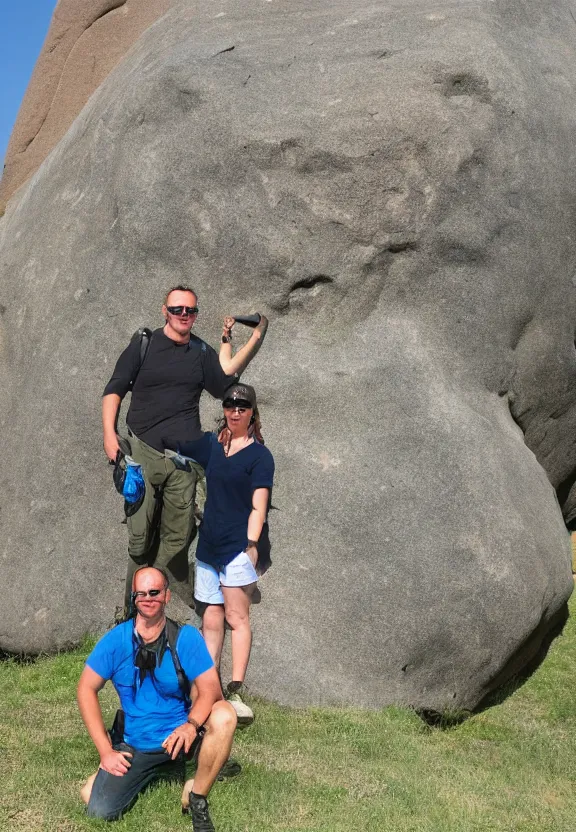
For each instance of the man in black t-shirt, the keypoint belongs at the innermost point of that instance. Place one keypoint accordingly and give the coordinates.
(164, 410)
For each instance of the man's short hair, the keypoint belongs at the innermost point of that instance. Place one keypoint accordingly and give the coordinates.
(178, 288)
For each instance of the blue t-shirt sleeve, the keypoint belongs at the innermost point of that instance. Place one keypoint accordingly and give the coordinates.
(262, 474)
(192, 652)
(200, 449)
(102, 658)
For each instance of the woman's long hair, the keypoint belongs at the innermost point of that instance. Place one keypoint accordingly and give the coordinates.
(225, 434)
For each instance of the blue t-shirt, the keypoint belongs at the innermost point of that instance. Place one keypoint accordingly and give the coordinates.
(155, 708)
(230, 484)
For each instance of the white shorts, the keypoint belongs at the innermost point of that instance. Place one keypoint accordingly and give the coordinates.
(239, 572)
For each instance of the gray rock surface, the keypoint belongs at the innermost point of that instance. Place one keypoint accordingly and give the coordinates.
(86, 39)
(393, 184)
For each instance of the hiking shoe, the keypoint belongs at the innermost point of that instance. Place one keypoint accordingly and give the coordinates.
(243, 712)
(201, 821)
(231, 768)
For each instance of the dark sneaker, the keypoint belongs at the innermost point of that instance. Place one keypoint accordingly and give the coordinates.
(201, 821)
(231, 768)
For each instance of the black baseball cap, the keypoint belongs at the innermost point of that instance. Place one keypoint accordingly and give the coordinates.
(241, 392)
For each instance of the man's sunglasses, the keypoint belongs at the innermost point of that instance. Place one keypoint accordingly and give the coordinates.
(182, 310)
(153, 593)
(233, 404)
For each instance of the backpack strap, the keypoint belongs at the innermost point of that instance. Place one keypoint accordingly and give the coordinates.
(172, 632)
(202, 345)
(145, 338)
(144, 335)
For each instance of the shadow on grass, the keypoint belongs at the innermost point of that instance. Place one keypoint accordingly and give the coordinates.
(511, 678)
(526, 661)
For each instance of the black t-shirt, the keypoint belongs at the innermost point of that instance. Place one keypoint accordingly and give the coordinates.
(230, 483)
(166, 393)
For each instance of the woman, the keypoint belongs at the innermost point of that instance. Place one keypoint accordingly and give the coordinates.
(239, 478)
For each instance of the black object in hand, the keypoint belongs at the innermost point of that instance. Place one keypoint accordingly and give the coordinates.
(248, 320)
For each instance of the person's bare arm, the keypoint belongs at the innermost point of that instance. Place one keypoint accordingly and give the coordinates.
(237, 363)
(209, 691)
(125, 371)
(89, 686)
(256, 520)
(110, 407)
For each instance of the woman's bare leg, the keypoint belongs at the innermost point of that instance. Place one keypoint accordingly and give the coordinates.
(213, 631)
(237, 612)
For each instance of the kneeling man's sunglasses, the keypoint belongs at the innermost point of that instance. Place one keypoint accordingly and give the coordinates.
(182, 310)
(153, 593)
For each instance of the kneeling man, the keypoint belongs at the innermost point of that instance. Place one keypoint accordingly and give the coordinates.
(161, 722)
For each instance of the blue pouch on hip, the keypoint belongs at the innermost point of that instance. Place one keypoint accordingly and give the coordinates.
(134, 487)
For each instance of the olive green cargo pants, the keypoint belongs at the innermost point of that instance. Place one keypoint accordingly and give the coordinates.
(160, 532)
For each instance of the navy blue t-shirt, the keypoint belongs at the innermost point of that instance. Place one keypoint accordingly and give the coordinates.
(230, 484)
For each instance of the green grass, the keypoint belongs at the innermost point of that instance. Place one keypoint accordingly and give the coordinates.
(511, 767)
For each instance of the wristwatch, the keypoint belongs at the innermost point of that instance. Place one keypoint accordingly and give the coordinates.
(226, 339)
(193, 722)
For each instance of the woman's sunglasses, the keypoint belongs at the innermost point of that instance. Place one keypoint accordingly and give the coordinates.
(236, 404)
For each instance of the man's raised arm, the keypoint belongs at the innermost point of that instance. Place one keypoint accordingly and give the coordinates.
(237, 363)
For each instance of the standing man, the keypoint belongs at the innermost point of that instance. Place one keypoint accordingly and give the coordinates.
(161, 723)
(164, 411)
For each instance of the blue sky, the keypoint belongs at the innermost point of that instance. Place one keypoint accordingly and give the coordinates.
(23, 27)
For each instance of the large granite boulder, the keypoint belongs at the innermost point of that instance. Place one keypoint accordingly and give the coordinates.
(86, 39)
(393, 185)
